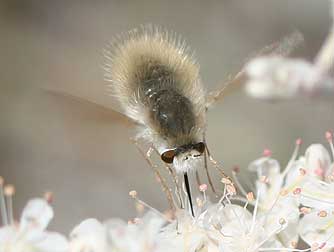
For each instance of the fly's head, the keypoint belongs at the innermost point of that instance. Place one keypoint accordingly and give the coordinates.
(186, 157)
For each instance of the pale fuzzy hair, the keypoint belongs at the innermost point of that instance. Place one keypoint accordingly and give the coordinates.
(192, 163)
(128, 51)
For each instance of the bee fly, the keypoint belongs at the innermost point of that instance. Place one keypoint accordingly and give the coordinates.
(157, 83)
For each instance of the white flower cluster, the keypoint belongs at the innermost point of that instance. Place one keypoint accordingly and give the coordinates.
(295, 203)
(28, 235)
(277, 77)
(303, 194)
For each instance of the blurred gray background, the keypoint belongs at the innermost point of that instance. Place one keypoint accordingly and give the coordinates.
(80, 151)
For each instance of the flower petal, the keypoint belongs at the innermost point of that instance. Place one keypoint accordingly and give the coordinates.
(37, 214)
(315, 229)
(317, 160)
(89, 235)
(7, 233)
(317, 194)
(52, 242)
(87, 227)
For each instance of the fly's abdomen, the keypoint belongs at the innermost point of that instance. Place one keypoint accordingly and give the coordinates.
(157, 83)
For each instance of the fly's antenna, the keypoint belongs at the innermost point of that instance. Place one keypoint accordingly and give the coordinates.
(186, 182)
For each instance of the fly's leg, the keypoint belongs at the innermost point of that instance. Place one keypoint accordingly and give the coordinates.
(172, 172)
(226, 180)
(176, 183)
(206, 167)
(154, 167)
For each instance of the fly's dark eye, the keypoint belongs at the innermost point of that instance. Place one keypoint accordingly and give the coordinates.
(200, 147)
(168, 156)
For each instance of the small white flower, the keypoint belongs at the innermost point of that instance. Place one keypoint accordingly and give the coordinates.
(221, 227)
(89, 236)
(275, 195)
(30, 235)
(242, 233)
(317, 190)
(202, 233)
(317, 161)
(138, 237)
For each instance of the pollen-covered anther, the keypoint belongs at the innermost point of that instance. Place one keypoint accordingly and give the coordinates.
(9, 190)
(322, 213)
(203, 187)
(199, 202)
(302, 171)
(267, 152)
(250, 196)
(297, 191)
(48, 196)
(282, 221)
(299, 141)
(293, 244)
(236, 169)
(305, 210)
(133, 194)
(330, 178)
(319, 171)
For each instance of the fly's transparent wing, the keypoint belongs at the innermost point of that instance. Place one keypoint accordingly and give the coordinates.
(110, 113)
(284, 48)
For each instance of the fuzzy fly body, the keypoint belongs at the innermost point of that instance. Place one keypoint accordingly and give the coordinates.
(157, 83)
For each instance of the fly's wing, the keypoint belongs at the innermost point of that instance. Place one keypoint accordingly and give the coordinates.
(112, 114)
(284, 48)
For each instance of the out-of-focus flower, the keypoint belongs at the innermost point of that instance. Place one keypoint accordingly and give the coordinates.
(89, 236)
(138, 236)
(29, 235)
(276, 77)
